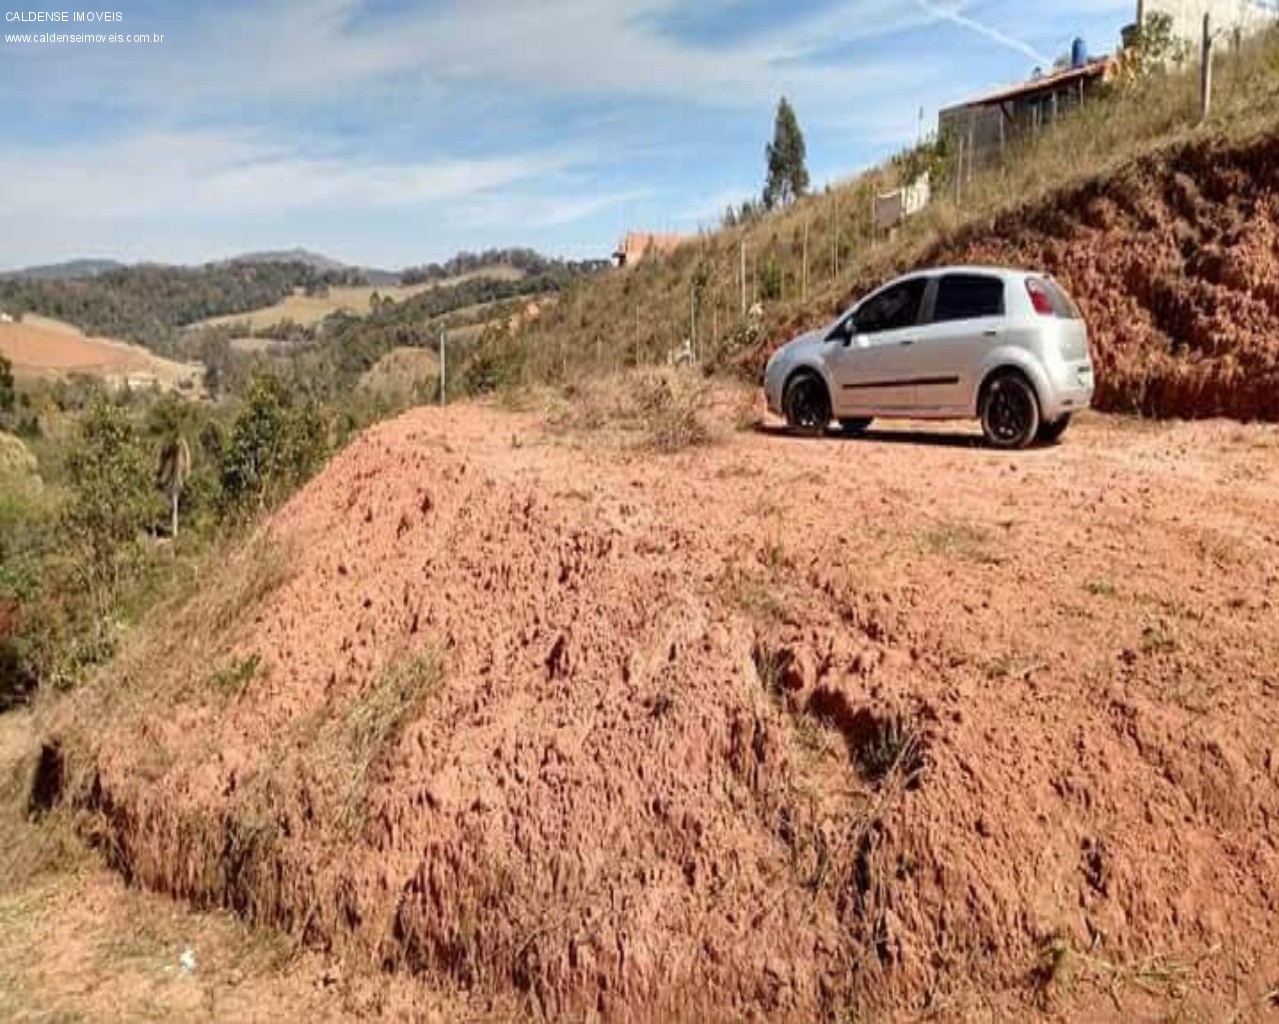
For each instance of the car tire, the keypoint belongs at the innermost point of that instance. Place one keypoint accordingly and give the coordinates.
(856, 425)
(1050, 433)
(806, 403)
(1009, 411)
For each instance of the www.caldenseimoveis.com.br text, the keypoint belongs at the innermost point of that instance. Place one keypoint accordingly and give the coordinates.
(52, 21)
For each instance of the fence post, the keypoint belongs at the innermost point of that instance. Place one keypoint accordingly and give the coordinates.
(1205, 74)
(804, 287)
(692, 317)
(834, 245)
(743, 254)
(443, 357)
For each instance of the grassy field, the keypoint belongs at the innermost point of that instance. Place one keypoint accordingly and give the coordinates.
(309, 310)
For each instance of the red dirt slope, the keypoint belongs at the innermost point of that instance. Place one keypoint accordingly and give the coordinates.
(785, 728)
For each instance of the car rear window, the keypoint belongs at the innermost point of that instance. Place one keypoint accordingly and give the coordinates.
(1063, 305)
(968, 297)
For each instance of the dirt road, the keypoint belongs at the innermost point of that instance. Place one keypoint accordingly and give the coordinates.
(771, 726)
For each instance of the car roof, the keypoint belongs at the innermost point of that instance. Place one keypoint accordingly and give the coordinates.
(967, 269)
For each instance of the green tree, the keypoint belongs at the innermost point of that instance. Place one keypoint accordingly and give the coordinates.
(1155, 47)
(787, 170)
(274, 444)
(110, 501)
(8, 394)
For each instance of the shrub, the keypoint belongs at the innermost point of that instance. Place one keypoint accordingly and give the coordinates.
(111, 498)
(498, 364)
(8, 394)
(273, 445)
(671, 408)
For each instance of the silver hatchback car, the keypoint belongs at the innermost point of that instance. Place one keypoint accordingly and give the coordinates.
(1007, 347)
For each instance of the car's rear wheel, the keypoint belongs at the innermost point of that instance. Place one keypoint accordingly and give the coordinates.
(807, 404)
(856, 425)
(1009, 411)
(1050, 433)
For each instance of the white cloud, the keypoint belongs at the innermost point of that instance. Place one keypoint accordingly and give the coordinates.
(104, 197)
(171, 173)
(290, 51)
(459, 112)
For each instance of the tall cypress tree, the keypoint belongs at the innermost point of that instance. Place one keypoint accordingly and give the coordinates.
(787, 173)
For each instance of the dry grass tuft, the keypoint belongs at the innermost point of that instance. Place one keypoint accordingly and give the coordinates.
(31, 847)
(970, 542)
(340, 749)
(659, 409)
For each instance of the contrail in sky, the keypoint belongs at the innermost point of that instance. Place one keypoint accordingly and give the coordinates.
(982, 29)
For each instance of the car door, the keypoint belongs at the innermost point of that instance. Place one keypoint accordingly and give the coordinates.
(872, 367)
(962, 318)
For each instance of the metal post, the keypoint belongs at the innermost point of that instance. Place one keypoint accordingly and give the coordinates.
(443, 356)
(1205, 77)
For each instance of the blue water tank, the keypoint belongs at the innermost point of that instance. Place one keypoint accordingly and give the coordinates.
(1078, 53)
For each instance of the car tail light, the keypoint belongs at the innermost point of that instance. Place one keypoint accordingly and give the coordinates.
(1039, 297)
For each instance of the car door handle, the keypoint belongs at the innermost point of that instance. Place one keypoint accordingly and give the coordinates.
(908, 341)
(992, 333)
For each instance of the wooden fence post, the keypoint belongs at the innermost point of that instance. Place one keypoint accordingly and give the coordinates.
(443, 375)
(804, 287)
(1205, 73)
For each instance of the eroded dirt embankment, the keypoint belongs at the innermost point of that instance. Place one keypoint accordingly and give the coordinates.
(772, 727)
(1174, 260)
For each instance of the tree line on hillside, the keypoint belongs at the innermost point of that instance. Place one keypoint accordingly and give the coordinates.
(529, 261)
(150, 304)
(328, 359)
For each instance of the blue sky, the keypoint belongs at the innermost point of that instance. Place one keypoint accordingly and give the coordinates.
(390, 132)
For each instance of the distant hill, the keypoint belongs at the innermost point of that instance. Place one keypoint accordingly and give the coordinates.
(72, 270)
(320, 263)
(149, 304)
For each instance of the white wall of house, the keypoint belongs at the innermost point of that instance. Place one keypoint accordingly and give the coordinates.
(1227, 15)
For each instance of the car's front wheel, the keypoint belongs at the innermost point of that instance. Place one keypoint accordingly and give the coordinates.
(1050, 433)
(807, 404)
(1009, 411)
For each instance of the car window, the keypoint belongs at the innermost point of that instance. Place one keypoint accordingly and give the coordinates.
(892, 308)
(968, 297)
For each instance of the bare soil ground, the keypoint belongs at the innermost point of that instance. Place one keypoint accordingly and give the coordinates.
(876, 729)
(40, 348)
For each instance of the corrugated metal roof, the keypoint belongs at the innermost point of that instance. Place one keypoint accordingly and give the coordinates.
(1048, 83)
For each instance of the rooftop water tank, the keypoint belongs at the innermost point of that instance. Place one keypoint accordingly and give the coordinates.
(1078, 53)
